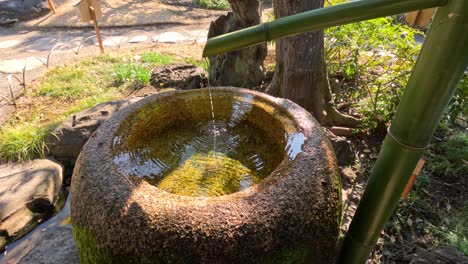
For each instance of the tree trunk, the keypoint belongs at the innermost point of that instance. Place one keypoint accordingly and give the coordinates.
(243, 68)
(300, 73)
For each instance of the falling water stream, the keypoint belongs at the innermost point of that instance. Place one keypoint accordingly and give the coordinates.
(213, 121)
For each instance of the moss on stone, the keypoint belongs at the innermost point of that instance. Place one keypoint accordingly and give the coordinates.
(88, 250)
(288, 255)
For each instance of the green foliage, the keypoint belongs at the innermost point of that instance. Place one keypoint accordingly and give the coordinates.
(67, 83)
(456, 147)
(212, 4)
(156, 58)
(132, 72)
(459, 103)
(79, 80)
(23, 141)
(457, 234)
(373, 60)
(204, 63)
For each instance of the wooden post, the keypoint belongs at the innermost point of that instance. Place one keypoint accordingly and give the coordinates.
(416, 172)
(96, 27)
(51, 5)
(91, 11)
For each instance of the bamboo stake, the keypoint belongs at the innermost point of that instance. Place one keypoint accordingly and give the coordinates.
(13, 99)
(51, 5)
(96, 26)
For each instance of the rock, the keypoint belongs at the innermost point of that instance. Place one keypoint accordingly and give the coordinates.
(343, 151)
(138, 39)
(439, 255)
(27, 194)
(112, 41)
(20, 10)
(170, 37)
(17, 65)
(179, 76)
(56, 247)
(68, 138)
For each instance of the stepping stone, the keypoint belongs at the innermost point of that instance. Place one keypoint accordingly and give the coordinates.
(27, 193)
(9, 43)
(138, 39)
(17, 65)
(199, 33)
(201, 40)
(112, 41)
(170, 37)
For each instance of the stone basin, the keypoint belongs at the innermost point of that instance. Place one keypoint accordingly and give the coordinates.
(123, 212)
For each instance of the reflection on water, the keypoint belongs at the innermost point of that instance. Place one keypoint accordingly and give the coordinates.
(294, 145)
(182, 159)
(180, 148)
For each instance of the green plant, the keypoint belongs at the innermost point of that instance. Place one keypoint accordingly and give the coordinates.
(373, 60)
(456, 233)
(24, 141)
(88, 77)
(456, 147)
(156, 58)
(459, 103)
(212, 4)
(204, 63)
(131, 72)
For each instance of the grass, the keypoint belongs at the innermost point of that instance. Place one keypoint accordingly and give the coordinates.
(23, 141)
(212, 4)
(136, 73)
(203, 63)
(155, 58)
(69, 89)
(457, 235)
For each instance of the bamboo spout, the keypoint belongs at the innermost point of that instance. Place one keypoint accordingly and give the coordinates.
(336, 15)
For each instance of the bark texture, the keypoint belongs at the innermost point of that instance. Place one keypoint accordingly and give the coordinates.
(300, 73)
(243, 68)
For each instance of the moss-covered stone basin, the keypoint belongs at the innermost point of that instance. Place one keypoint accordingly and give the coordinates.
(271, 194)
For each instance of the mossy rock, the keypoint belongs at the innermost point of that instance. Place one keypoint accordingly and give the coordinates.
(291, 216)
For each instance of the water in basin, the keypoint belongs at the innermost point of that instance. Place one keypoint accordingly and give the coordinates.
(178, 146)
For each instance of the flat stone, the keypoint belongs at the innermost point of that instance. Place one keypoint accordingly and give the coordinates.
(199, 32)
(112, 41)
(17, 65)
(55, 247)
(70, 136)
(179, 76)
(170, 37)
(27, 192)
(201, 39)
(138, 39)
(9, 43)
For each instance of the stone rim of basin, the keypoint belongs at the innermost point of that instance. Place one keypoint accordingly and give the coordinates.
(294, 212)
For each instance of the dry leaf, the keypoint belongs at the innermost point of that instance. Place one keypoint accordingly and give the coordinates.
(409, 221)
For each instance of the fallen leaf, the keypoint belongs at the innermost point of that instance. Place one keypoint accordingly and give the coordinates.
(409, 221)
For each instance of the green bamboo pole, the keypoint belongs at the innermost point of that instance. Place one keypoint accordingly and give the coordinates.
(439, 68)
(312, 20)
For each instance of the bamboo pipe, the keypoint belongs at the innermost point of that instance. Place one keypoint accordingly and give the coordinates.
(336, 15)
(440, 66)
